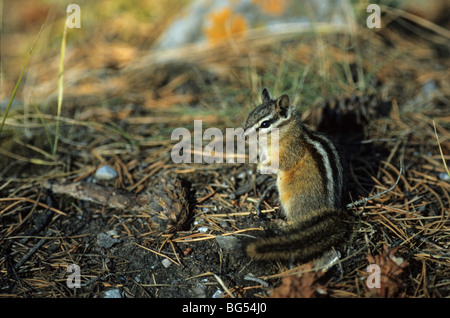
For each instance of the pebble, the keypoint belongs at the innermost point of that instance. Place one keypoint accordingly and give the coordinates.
(113, 293)
(429, 87)
(228, 242)
(217, 294)
(166, 262)
(112, 233)
(105, 173)
(203, 229)
(199, 291)
(444, 176)
(106, 241)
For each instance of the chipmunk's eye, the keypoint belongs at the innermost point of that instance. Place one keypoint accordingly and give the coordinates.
(265, 124)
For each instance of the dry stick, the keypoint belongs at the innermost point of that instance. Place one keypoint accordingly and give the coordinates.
(201, 237)
(174, 251)
(440, 149)
(223, 285)
(376, 196)
(34, 202)
(171, 244)
(207, 196)
(29, 253)
(157, 253)
(255, 279)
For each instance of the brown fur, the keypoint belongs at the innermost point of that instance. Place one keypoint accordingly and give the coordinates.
(303, 181)
(316, 234)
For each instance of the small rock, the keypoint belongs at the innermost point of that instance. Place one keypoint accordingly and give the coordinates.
(444, 176)
(429, 88)
(217, 294)
(166, 262)
(242, 175)
(398, 260)
(225, 225)
(112, 233)
(203, 229)
(199, 291)
(105, 173)
(228, 242)
(106, 241)
(113, 293)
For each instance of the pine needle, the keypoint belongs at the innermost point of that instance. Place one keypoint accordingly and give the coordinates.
(440, 149)
(60, 87)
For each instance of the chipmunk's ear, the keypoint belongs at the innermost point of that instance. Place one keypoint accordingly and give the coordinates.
(283, 105)
(265, 96)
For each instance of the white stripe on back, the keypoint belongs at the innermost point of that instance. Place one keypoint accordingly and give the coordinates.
(327, 165)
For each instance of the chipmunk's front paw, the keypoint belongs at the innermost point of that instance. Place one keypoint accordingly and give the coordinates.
(266, 168)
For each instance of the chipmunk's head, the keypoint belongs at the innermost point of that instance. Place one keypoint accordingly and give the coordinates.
(272, 113)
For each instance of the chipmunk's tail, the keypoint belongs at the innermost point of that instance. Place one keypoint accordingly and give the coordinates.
(310, 237)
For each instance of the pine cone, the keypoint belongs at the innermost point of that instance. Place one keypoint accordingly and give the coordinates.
(171, 204)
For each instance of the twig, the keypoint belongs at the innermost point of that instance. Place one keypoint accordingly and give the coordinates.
(29, 253)
(223, 285)
(249, 186)
(376, 196)
(34, 202)
(440, 149)
(255, 279)
(157, 253)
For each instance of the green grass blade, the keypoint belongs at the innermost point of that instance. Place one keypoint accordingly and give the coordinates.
(60, 87)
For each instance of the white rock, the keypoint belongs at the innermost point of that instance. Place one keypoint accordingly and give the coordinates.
(112, 233)
(286, 17)
(105, 173)
(228, 243)
(203, 229)
(113, 293)
(166, 262)
(217, 294)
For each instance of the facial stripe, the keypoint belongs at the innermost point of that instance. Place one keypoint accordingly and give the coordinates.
(275, 120)
(270, 121)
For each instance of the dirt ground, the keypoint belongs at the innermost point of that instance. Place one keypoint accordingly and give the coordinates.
(165, 230)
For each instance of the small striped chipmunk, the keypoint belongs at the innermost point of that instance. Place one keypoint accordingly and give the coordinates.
(310, 183)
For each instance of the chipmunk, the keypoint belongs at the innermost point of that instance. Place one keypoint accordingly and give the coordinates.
(310, 183)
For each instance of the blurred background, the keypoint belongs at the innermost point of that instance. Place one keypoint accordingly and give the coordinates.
(162, 53)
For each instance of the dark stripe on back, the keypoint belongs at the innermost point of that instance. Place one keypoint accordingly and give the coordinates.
(320, 164)
(334, 162)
